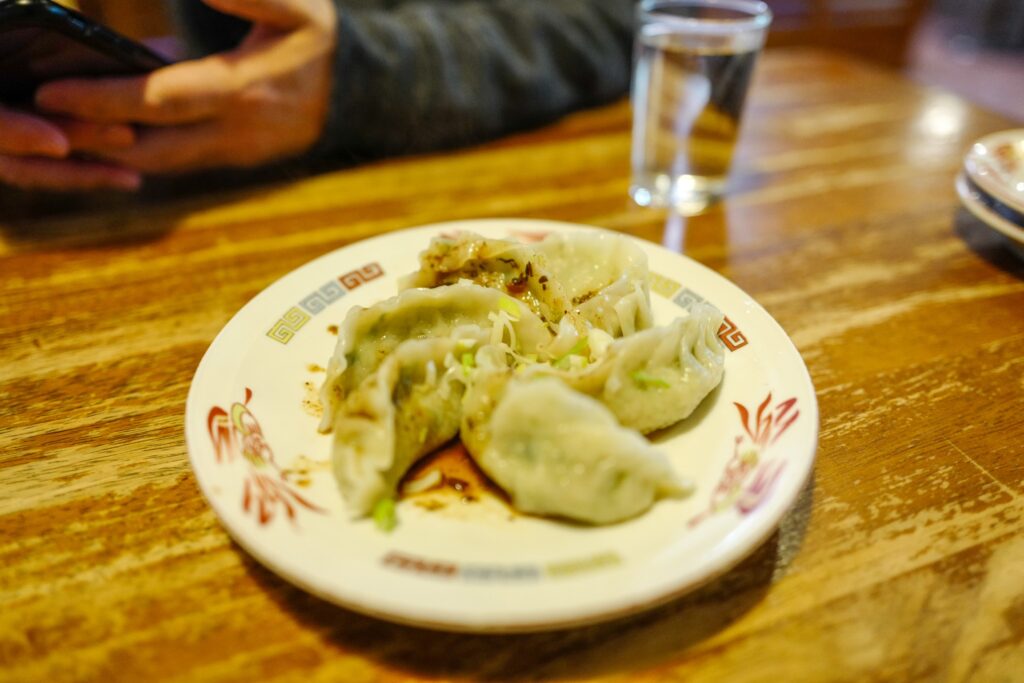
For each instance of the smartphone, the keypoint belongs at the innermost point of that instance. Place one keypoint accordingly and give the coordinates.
(41, 41)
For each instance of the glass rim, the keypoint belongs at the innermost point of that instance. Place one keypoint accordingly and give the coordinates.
(758, 14)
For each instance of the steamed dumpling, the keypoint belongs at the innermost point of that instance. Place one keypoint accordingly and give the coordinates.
(656, 377)
(604, 276)
(410, 405)
(557, 452)
(541, 356)
(369, 335)
(659, 376)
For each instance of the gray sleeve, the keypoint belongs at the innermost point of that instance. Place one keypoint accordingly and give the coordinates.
(432, 75)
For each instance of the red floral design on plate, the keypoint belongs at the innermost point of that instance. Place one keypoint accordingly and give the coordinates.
(747, 481)
(237, 433)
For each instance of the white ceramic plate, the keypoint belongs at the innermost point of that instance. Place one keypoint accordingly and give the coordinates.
(260, 462)
(996, 164)
(975, 204)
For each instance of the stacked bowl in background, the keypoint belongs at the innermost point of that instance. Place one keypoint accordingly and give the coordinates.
(991, 184)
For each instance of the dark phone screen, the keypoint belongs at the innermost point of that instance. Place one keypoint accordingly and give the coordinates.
(30, 56)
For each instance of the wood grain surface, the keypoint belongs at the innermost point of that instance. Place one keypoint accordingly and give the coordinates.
(902, 560)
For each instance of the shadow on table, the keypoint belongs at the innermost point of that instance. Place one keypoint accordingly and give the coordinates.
(989, 244)
(40, 220)
(43, 220)
(649, 639)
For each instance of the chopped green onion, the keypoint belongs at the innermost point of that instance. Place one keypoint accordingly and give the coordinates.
(580, 348)
(509, 306)
(647, 380)
(384, 514)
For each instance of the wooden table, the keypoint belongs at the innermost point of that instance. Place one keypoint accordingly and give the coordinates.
(903, 560)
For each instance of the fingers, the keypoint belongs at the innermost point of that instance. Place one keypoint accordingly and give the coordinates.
(196, 90)
(65, 175)
(85, 136)
(32, 151)
(25, 134)
(181, 93)
(281, 14)
(178, 148)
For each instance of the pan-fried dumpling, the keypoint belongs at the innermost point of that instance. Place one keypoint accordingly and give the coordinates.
(651, 379)
(593, 280)
(410, 405)
(557, 452)
(505, 265)
(368, 335)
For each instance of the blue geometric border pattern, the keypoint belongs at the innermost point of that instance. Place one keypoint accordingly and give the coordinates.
(686, 298)
(323, 297)
(317, 301)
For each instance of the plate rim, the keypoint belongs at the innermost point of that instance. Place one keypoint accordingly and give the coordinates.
(984, 180)
(984, 214)
(757, 533)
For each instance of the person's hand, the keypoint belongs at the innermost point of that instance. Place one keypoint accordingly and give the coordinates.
(34, 153)
(263, 101)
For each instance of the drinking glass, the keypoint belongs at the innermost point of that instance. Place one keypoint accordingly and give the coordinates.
(692, 65)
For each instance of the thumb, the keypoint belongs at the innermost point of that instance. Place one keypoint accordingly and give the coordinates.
(282, 14)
